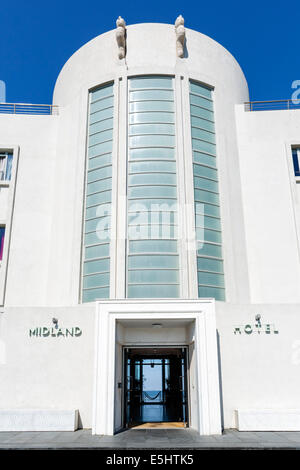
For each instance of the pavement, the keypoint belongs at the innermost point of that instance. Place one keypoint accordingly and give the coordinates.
(149, 439)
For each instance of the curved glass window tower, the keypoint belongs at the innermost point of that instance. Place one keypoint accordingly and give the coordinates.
(206, 194)
(96, 264)
(152, 257)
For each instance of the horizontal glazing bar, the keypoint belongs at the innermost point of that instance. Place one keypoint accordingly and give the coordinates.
(151, 81)
(153, 246)
(140, 261)
(152, 166)
(153, 276)
(199, 88)
(153, 291)
(158, 129)
(92, 295)
(100, 115)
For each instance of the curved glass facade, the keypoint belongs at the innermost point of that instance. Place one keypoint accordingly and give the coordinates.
(206, 194)
(96, 261)
(152, 257)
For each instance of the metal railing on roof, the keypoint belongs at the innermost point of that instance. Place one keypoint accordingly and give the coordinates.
(272, 105)
(28, 108)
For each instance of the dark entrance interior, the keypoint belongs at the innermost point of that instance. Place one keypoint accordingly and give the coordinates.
(155, 385)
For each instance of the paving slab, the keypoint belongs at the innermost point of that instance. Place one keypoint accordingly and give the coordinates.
(150, 439)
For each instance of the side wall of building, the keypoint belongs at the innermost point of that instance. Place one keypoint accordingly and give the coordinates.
(270, 198)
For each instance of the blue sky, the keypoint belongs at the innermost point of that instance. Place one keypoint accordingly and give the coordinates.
(38, 37)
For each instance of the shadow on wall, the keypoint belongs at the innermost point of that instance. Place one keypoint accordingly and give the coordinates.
(185, 50)
(79, 421)
(220, 379)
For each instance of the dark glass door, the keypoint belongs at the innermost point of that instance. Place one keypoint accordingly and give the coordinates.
(155, 385)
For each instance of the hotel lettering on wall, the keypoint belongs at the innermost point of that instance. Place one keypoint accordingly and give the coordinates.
(256, 328)
(46, 332)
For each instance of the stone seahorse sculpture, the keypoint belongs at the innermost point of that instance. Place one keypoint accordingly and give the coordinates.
(180, 36)
(121, 37)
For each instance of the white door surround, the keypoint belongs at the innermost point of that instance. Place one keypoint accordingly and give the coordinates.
(204, 395)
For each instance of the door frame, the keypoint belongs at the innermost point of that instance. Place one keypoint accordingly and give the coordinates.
(206, 406)
(156, 346)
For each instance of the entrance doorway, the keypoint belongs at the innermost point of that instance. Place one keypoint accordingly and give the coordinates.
(155, 386)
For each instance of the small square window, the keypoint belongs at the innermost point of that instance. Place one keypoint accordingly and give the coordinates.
(296, 160)
(2, 235)
(5, 166)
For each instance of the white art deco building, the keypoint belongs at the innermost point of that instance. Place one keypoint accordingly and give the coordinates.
(150, 221)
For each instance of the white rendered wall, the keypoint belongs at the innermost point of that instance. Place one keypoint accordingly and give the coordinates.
(27, 274)
(47, 373)
(270, 203)
(258, 371)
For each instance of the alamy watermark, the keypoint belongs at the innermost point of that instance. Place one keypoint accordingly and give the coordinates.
(295, 98)
(154, 221)
(2, 91)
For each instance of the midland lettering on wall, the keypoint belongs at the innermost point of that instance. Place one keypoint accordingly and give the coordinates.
(45, 332)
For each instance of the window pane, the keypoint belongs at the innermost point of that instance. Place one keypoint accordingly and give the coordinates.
(151, 153)
(211, 279)
(200, 170)
(201, 134)
(153, 276)
(102, 104)
(152, 191)
(204, 158)
(138, 129)
(203, 102)
(2, 235)
(206, 196)
(152, 166)
(98, 198)
(140, 106)
(153, 246)
(154, 205)
(101, 137)
(100, 224)
(99, 161)
(201, 112)
(101, 126)
(200, 89)
(151, 82)
(99, 173)
(152, 140)
(153, 261)
(93, 237)
(202, 123)
(135, 118)
(98, 186)
(206, 249)
(97, 251)
(151, 94)
(100, 115)
(100, 265)
(202, 183)
(96, 280)
(208, 235)
(153, 291)
(100, 149)
(207, 209)
(207, 222)
(152, 178)
(203, 146)
(208, 264)
(102, 92)
(218, 294)
(94, 294)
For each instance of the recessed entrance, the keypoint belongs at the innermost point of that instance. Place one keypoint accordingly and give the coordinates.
(155, 387)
